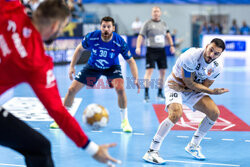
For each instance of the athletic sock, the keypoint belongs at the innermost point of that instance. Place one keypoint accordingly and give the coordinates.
(204, 127)
(124, 113)
(161, 133)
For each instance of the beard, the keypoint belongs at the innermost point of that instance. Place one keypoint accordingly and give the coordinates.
(209, 60)
(106, 35)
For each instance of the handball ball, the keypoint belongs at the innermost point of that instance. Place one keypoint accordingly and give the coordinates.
(96, 116)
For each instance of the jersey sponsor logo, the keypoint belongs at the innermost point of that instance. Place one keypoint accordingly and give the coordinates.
(186, 67)
(102, 62)
(94, 38)
(117, 43)
(210, 71)
(27, 32)
(101, 67)
(4, 46)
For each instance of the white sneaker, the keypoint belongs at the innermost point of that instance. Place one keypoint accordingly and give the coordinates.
(195, 151)
(153, 157)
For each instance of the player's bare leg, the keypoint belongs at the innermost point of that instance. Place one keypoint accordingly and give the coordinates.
(147, 78)
(69, 98)
(208, 107)
(122, 103)
(152, 155)
(74, 88)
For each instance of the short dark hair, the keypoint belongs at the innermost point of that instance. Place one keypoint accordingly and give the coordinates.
(219, 43)
(108, 18)
(51, 10)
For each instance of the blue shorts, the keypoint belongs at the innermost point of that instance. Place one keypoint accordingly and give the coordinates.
(89, 75)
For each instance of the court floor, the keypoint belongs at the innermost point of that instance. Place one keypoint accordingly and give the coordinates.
(227, 144)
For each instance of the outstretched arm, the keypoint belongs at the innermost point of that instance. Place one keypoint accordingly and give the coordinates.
(44, 85)
(134, 71)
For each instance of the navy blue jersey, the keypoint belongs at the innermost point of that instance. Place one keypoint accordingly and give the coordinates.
(105, 54)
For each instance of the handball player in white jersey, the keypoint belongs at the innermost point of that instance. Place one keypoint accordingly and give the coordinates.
(192, 75)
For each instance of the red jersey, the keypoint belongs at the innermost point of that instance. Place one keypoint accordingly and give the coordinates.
(23, 59)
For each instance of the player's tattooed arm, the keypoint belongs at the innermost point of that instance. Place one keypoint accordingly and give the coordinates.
(208, 83)
(178, 87)
(189, 82)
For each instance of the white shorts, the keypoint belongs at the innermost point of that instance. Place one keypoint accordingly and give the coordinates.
(188, 98)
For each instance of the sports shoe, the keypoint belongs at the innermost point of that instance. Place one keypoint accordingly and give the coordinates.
(126, 126)
(161, 97)
(146, 98)
(195, 151)
(54, 125)
(153, 157)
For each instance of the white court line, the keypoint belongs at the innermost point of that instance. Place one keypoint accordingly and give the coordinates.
(97, 131)
(37, 128)
(228, 127)
(247, 141)
(183, 137)
(11, 165)
(201, 163)
(138, 133)
(207, 138)
(117, 132)
(227, 139)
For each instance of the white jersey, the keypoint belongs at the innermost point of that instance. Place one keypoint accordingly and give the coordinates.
(193, 61)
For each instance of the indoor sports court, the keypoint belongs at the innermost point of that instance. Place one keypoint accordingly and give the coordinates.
(227, 144)
(191, 24)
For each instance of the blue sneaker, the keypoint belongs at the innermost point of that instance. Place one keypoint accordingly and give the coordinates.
(195, 151)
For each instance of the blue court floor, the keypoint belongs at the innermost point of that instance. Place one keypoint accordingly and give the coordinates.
(223, 147)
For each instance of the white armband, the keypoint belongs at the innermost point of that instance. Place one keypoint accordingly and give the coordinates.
(92, 148)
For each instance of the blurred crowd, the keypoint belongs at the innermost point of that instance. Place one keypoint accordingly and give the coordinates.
(217, 28)
(76, 8)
